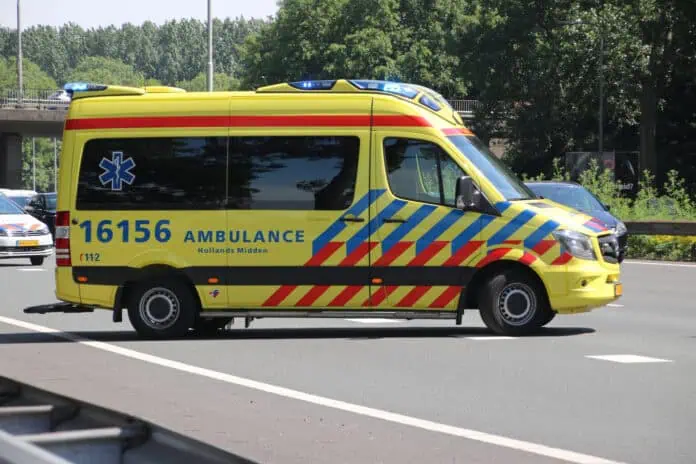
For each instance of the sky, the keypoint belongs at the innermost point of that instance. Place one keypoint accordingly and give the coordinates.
(95, 13)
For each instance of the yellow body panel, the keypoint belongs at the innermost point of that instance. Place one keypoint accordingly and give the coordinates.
(239, 258)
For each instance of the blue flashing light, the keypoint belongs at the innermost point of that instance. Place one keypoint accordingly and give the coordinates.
(386, 86)
(314, 85)
(430, 103)
(73, 87)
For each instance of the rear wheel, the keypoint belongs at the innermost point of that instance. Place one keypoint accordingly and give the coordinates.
(514, 303)
(37, 260)
(162, 308)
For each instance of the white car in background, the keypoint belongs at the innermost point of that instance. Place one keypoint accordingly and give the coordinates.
(22, 235)
(21, 197)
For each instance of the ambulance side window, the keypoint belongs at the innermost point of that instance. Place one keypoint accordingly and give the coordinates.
(307, 173)
(420, 171)
(155, 173)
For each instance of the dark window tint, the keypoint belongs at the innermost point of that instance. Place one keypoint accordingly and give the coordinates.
(153, 173)
(292, 173)
(420, 171)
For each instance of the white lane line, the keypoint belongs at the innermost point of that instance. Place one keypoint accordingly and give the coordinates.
(629, 358)
(660, 263)
(505, 442)
(615, 305)
(375, 321)
(492, 337)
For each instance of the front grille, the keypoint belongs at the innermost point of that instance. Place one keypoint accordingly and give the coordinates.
(26, 233)
(26, 248)
(609, 246)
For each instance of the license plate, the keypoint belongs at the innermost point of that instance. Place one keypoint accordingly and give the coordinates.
(27, 243)
(618, 289)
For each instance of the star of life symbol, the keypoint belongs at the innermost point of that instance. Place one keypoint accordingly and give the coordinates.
(117, 171)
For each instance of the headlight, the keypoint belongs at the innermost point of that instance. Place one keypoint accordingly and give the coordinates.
(575, 243)
(621, 228)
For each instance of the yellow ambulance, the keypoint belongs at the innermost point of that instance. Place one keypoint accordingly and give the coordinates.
(333, 198)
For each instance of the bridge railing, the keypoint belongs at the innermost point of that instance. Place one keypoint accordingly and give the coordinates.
(44, 99)
(465, 107)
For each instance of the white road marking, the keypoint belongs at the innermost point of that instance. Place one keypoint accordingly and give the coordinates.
(614, 305)
(375, 321)
(493, 337)
(628, 358)
(519, 445)
(660, 263)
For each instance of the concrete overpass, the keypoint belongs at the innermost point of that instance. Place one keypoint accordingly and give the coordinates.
(40, 114)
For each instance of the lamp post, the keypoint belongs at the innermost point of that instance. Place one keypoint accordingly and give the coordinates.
(20, 77)
(210, 47)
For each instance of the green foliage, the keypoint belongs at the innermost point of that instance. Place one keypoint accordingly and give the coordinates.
(107, 71)
(33, 76)
(39, 163)
(200, 83)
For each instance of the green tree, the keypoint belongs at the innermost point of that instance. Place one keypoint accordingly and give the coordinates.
(199, 83)
(106, 71)
(33, 76)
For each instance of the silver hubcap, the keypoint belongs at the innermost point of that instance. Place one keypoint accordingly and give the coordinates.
(517, 304)
(159, 308)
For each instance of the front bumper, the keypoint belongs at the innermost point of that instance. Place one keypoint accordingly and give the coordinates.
(26, 247)
(588, 286)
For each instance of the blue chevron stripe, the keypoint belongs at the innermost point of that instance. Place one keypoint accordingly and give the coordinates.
(470, 232)
(511, 227)
(337, 227)
(403, 230)
(438, 229)
(539, 234)
(371, 227)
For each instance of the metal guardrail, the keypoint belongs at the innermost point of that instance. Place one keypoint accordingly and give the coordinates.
(677, 228)
(465, 106)
(39, 427)
(41, 99)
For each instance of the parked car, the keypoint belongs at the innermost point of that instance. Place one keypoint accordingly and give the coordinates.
(43, 207)
(22, 235)
(578, 197)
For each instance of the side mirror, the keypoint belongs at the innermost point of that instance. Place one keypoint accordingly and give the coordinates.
(467, 196)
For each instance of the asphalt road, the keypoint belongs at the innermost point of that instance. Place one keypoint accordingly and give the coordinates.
(328, 391)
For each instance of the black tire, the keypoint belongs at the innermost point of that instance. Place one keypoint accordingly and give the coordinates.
(175, 311)
(513, 303)
(211, 326)
(550, 315)
(37, 260)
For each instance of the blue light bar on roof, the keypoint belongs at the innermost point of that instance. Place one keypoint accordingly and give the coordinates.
(386, 86)
(82, 87)
(314, 85)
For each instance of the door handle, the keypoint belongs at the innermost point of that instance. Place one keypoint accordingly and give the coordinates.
(394, 220)
(352, 219)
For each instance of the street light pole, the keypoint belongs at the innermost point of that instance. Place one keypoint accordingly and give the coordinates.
(210, 47)
(600, 142)
(20, 77)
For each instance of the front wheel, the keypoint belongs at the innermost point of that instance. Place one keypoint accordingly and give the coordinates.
(163, 308)
(514, 303)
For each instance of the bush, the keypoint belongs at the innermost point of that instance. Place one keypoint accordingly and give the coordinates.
(673, 203)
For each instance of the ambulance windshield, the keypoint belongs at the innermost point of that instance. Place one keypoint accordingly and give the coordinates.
(502, 178)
